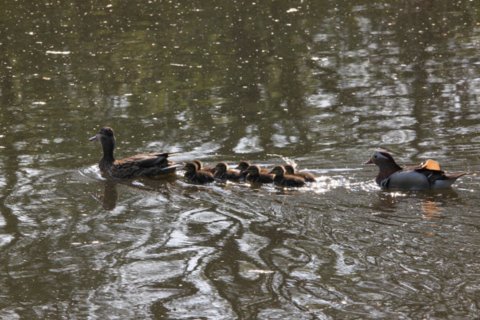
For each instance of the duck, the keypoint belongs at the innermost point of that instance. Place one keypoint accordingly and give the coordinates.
(243, 166)
(255, 175)
(224, 173)
(151, 165)
(202, 167)
(307, 176)
(427, 175)
(283, 179)
(194, 174)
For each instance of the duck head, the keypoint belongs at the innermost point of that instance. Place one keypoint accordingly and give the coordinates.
(278, 171)
(107, 138)
(255, 170)
(190, 167)
(243, 165)
(221, 167)
(198, 164)
(289, 169)
(384, 161)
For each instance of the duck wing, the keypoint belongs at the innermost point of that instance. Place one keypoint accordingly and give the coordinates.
(439, 177)
(145, 160)
(147, 164)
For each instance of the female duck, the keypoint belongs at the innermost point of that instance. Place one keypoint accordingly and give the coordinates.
(307, 176)
(428, 175)
(284, 180)
(223, 173)
(194, 174)
(151, 165)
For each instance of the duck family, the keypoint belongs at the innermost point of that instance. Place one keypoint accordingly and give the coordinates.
(391, 176)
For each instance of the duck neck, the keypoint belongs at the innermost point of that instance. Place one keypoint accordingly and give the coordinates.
(108, 147)
(386, 171)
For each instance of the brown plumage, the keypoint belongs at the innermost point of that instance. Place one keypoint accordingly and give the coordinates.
(200, 166)
(254, 175)
(307, 176)
(223, 173)
(151, 165)
(243, 166)
(193, 174)
(285, 180)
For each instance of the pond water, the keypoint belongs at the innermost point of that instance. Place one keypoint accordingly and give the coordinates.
(318, 83)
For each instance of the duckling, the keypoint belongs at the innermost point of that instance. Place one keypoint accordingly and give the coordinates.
(195, 175)
(425, 176)
(202, 167)
(307, 176)
(256, 176)
(243, 166)
(285, 180)
(223, 173)
(151, 165)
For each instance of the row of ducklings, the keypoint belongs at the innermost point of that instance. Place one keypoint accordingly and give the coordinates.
(281, 175)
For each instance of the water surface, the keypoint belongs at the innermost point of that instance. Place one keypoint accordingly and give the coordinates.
(318, 83)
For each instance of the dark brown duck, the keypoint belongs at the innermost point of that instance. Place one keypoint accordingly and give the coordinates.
(151, 165)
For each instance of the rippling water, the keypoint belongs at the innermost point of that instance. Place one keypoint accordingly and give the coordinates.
(321, 84)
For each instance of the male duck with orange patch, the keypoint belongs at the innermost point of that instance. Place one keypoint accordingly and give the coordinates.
(428, 175)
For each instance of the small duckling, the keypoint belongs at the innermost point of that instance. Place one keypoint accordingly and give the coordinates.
(195, 175)
(307, 176)
(243, 166)
(200, 166)
(223, 173)
(255, 175)
(285, 180)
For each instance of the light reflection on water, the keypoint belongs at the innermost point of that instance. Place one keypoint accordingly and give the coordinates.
(318, 84)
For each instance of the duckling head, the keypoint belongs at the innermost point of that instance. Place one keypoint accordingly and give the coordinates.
(253, 169)
(278, 171)
(191, 167)
(243, 165)
(289, 169)
(221, 167)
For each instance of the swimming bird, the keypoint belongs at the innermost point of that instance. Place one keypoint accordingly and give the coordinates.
(243, 166)
(196, 175)
(151, 165)
(224, 173)
(254, 175)
(286, 180)
(200, 166)
(427, 175)
(307, 176)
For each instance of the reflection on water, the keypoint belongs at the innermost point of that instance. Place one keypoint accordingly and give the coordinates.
(318, 83)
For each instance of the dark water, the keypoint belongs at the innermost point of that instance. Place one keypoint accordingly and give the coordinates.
(321, 83)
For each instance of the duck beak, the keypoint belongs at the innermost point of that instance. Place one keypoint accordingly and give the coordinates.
(370, 161)
(94, 138)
